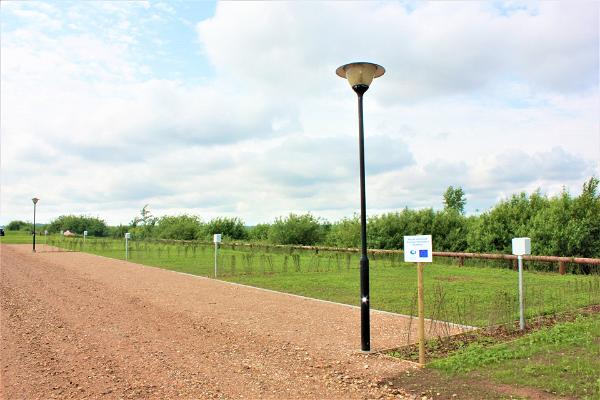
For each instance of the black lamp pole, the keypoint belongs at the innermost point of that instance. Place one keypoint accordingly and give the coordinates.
(35, 200)
(360, 75)
(365, 319)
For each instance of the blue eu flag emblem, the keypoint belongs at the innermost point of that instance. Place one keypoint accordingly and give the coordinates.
(423, 253)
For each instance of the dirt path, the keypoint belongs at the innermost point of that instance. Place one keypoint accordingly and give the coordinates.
(75, 325)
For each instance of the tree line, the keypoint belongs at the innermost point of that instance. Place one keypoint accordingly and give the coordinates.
(561, 225)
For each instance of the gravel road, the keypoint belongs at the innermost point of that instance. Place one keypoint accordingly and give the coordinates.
(74, 325)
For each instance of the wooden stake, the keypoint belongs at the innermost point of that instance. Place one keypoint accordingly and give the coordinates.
(421, 307)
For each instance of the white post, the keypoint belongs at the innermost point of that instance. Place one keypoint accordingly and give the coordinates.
(217, 240)
(521, 309)
(216, 250)
(127, 236)
(521, 247)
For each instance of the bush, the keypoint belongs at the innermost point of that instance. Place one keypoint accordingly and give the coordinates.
(493, 231)
(18, 226)
(296, 229)
(387, 231)
(230, 227)
(119, 232)
(181, 227)
(569, 226)
(344, 233)
(259, 233)
(78, 224)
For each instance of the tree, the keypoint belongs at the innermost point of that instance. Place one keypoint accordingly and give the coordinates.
(296, 229)
(259, 233)
(233, 228)
(79, 224)
(181, 227)
(144, 224)
(18, 225)
(345, 233)
(454, 199)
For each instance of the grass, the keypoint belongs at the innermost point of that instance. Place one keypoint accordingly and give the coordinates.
(475, 296)
(20, 237)
(563, 359)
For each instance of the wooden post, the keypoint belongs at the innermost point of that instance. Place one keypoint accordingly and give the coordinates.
(515, 264)
(421, 326)
(461, 261)
(562, 269)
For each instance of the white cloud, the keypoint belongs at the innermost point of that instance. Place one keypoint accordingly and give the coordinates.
(493, 98)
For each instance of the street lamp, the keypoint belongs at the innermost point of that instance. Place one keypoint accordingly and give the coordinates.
(360, 75)
(35, 200)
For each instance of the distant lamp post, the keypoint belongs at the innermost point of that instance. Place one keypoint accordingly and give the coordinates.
(360, 75)
(35, 200)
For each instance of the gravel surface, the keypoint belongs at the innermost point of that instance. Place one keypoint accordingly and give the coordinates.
(74, 325)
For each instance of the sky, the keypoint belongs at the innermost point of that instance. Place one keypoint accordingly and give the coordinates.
(234, 109)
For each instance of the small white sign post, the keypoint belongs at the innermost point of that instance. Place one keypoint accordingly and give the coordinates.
(521, 247)
(85, 233)
(127, 237)
(46, 237)
(419, 249)
(217, 240)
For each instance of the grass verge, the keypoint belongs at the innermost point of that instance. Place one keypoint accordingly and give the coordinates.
(563, 359)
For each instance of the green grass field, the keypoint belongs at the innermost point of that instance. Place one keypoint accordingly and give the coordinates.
(475, 296)
(563, 359)
(19, 237)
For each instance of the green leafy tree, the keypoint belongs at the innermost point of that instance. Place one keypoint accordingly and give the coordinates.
(119, 231)
(181, 227)
(142, 226)
(569, 226)
(259, 232)
(494, 230)
(449, 230)
(79, 224)
(18, 225)
(233, 228)
(344, 233)
(454, 199)
(387, 231)
(296, 229)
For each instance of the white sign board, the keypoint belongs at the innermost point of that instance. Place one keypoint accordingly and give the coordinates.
(521, 246)
(128, 235)
(217, 238)
(418, 248)
(84, 233)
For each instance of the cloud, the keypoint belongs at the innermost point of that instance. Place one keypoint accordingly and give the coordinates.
(100, 113)
(434, 49)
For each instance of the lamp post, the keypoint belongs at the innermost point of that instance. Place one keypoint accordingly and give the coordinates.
(360, 75)
(35, 200)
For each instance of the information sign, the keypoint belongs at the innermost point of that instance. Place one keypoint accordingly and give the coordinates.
(418, 248)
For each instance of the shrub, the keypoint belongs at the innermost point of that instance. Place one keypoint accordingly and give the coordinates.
(18, 226)
(181, 227)
(345, 233)
(230, 227)
(78, 224)
(296, 229)
(259, 232)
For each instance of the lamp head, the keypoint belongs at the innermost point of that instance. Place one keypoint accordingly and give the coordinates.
(35, 200)
(360, 74)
